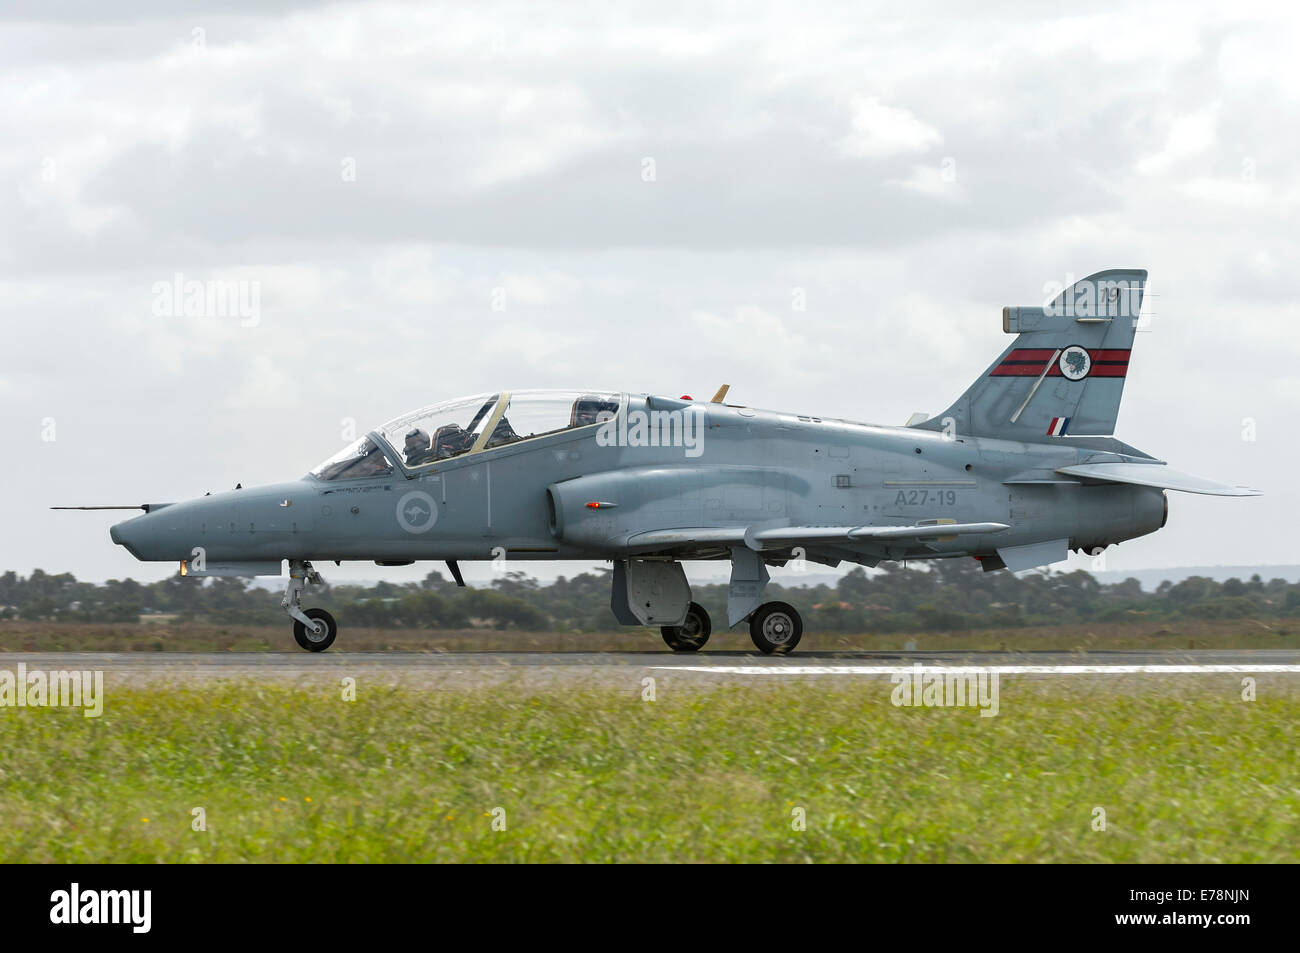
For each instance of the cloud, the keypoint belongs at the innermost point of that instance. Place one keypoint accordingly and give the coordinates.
(1187, 136)
(938, 180)
(907, 174)
(880, 131)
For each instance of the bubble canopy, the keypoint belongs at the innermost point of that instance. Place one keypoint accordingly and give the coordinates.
(465, 425)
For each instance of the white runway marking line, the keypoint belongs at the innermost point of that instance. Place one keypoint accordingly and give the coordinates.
(1209, 669)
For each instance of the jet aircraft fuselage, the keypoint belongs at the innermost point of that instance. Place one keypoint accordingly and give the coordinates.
(1021, 469)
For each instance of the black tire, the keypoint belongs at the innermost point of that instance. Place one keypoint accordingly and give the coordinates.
(310, 641)
(776, 628)
(691, 635)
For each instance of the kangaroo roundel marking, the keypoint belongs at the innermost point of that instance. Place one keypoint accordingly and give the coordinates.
(1075, 363)
(416, 512)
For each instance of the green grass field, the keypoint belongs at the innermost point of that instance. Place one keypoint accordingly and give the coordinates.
(1185, 770)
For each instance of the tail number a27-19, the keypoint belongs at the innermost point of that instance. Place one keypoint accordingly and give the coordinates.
(926, 498)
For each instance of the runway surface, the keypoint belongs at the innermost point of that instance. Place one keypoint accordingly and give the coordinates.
(469, 669)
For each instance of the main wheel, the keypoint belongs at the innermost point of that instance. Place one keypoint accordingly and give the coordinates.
(692, 633)
(313, 641)
(775, 628)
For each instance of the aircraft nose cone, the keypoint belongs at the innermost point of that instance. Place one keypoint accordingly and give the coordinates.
(124, 535)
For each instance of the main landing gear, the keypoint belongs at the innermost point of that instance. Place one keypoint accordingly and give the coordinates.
(775, 628)
(313, 629)
(691, 635)
(653, 591)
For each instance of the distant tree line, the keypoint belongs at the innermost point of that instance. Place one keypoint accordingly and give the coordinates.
(951, 594)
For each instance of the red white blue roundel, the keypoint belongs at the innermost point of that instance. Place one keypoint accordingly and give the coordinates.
(1075, 363)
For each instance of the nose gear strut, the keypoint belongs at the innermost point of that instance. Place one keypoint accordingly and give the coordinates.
(314, 629)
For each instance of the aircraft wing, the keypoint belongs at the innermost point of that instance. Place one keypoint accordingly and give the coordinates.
(928, 529)
(780, 536)
(1154, 474)
(688, 537)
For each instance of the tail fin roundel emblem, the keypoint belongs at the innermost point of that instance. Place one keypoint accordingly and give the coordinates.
(1075, 363)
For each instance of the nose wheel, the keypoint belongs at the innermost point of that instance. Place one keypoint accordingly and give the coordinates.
(313, 629)
(320, 636)
(775, 628)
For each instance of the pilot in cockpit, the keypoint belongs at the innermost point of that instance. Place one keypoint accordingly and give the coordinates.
(451, 440)
(419, 448)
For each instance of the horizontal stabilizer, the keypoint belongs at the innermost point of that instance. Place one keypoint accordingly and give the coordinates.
(1154, 474)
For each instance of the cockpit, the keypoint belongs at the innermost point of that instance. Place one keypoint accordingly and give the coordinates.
(467, 425)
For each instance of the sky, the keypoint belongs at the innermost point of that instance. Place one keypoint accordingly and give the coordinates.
(824, 205)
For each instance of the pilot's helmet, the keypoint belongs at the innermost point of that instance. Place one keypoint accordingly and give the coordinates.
(417, 440)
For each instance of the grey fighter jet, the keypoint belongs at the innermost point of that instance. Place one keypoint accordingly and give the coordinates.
(1018, 472)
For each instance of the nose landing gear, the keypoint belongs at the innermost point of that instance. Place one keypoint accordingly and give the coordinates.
(320, 636)
(313, 629)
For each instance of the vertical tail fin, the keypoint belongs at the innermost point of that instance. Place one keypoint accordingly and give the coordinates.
(1064, 373)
